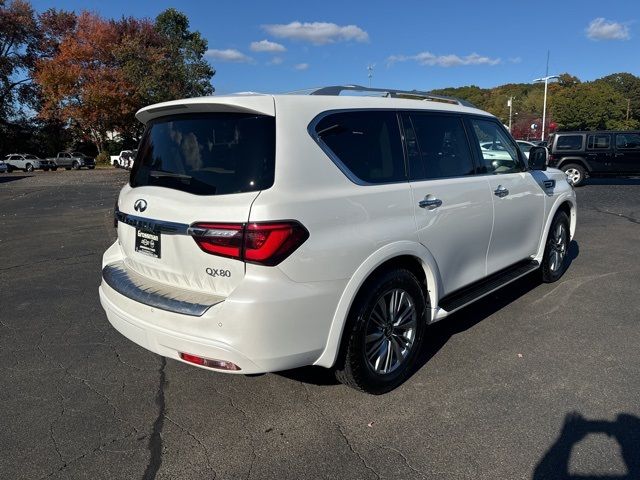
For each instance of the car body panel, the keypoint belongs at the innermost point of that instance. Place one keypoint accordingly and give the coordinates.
(294, 314)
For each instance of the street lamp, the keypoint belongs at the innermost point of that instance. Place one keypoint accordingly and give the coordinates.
(544, 108)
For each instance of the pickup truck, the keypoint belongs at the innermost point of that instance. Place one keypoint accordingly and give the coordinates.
(75, 160)
(122, 160)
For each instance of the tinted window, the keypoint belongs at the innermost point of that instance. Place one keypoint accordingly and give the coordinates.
(628, 140)
(207, 154)
(442, 149)
(569, 142)
(367, 143)
(598, 142)
(499, 152)
(525, 147)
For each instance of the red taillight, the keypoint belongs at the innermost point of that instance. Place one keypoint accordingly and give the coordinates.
(223, 239)
(266, 243)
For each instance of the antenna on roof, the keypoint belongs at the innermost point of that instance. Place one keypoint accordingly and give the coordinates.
(370, 68)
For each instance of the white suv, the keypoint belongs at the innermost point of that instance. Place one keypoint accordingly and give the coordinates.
(266, 232)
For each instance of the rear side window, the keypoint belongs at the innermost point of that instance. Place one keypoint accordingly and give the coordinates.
(598, 142)
(207, 154)
(366, 145)
(440, 149)
(569, 142)
(628, 141)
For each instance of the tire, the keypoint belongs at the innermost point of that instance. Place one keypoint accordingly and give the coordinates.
(67, 168)
(28, 168)
(91, 168)
(53, 169)
(576, 174)
(45, 169)
(554, 260)
(369, 330)
(75, 165)
(9, 169)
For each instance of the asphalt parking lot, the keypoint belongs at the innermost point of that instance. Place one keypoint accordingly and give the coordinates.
(534, 382)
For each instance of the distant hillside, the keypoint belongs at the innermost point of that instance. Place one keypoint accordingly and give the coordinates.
(611, 102)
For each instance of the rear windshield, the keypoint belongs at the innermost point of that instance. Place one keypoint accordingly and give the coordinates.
(207, 154)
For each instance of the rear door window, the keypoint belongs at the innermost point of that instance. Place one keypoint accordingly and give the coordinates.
(628, 141)
(598, 142)
(569, 142)
(437, 146)
(365, 145)
(207, 154)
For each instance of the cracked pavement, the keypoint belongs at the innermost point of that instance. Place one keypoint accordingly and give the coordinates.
(496, 384)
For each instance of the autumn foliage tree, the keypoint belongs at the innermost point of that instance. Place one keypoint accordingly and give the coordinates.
(105, 70)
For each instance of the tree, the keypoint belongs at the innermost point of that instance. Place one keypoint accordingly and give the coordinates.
(82, 81)
(589, 106)
(18, 40)
(185, 71)
(103, 71)
(628, 86)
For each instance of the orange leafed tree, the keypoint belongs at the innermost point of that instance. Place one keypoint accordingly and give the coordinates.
(83, 84)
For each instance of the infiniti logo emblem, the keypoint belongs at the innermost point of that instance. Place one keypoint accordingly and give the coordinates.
(140, 205)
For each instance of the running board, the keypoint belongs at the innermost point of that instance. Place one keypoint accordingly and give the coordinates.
(460, 298)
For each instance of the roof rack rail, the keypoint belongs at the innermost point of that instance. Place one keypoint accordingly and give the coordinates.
(386, 92)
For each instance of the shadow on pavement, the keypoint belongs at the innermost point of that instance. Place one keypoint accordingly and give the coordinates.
(439, 333)
(625, 430)
(11, 178)
(612, 181)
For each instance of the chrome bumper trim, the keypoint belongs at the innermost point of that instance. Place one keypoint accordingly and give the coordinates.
(168, 228)
(149, 292)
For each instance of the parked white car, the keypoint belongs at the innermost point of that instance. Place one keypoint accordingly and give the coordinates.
(123, 160)
(266, 232)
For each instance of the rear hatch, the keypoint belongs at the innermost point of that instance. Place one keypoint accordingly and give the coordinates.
(198, 164)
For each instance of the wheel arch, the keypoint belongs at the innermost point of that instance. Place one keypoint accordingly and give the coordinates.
(578, 160)
(565, 204)
(410, 255)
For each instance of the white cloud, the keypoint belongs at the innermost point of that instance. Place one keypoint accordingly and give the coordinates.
(228, 55)
(301, 66)
(267, 46)
(276, 61)
(603, 29)
(317, 33)
(429, 59)
(515, 60)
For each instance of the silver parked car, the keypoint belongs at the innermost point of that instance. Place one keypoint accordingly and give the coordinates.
(75, 160)
(27, 162)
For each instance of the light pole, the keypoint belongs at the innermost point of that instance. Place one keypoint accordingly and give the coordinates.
(544, 107)
(510, 105)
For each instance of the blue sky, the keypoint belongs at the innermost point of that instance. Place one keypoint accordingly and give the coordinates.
(413, 44)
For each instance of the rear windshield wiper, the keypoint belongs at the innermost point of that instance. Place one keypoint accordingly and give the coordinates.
(160, 174)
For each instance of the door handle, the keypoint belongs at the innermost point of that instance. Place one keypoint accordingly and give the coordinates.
(501, 191)
(430, 202)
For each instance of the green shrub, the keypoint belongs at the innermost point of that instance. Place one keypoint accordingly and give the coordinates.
(103, 158)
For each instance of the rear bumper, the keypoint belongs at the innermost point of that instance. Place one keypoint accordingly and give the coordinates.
(165, 342)
(265, 325)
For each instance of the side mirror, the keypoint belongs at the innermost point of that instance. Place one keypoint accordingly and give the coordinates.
(538, 157)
